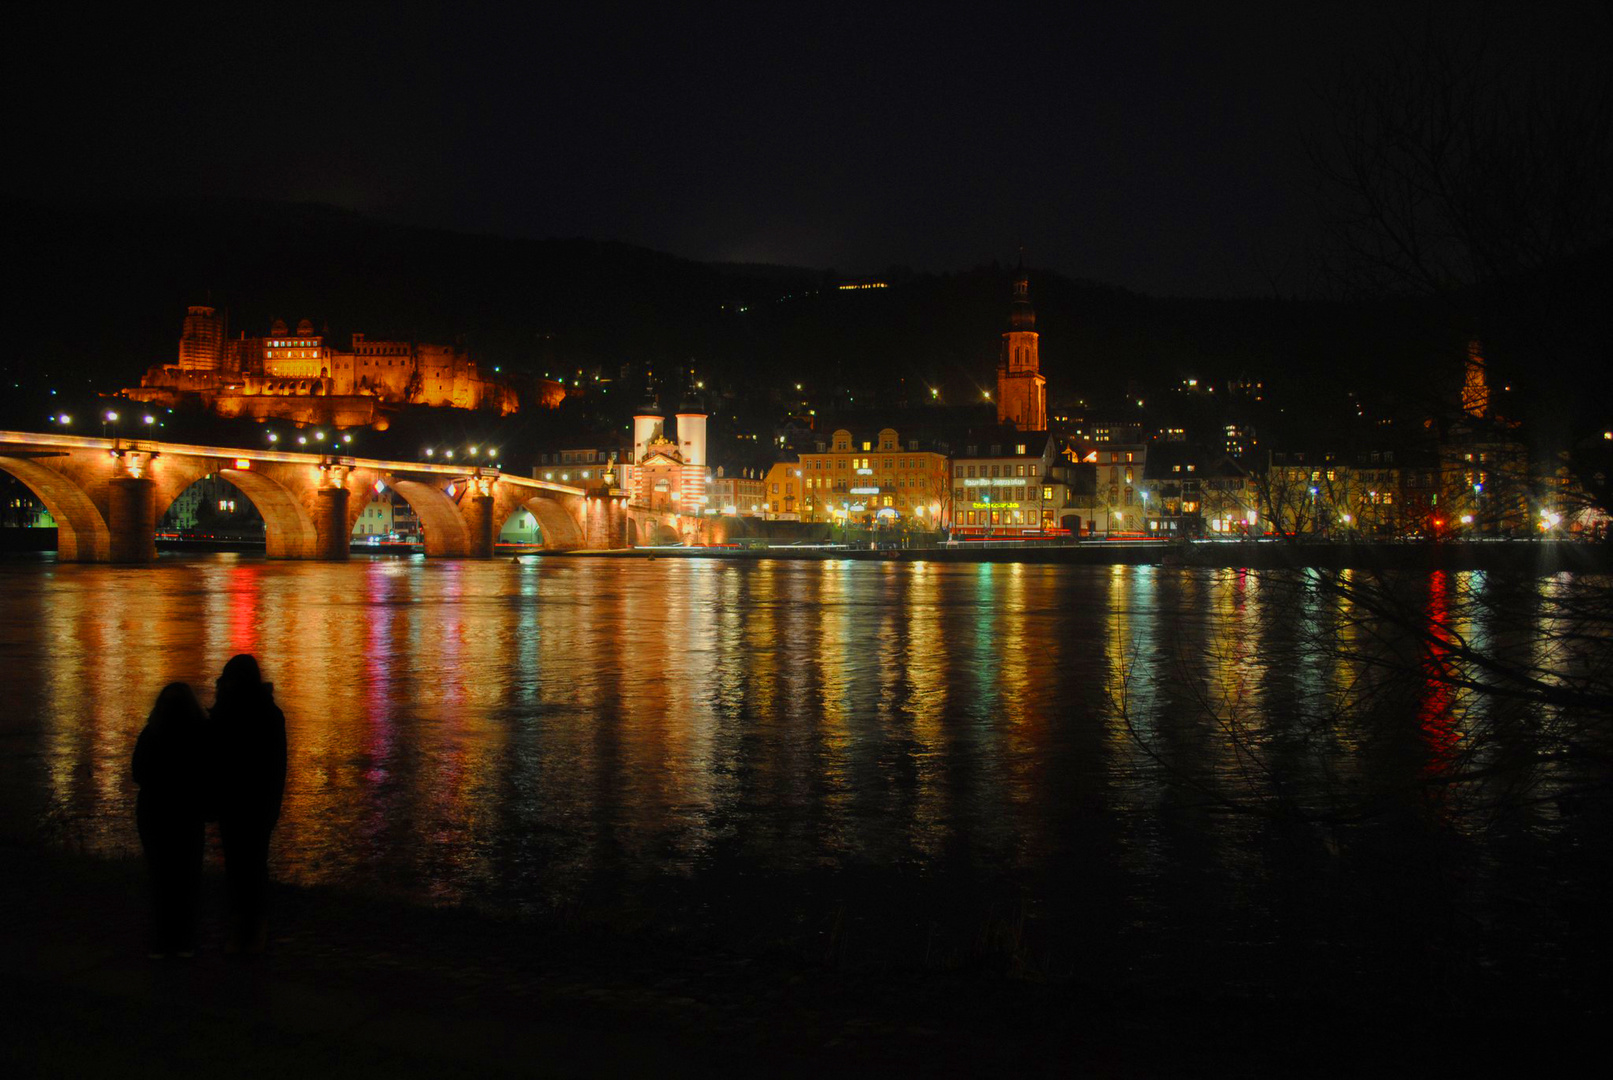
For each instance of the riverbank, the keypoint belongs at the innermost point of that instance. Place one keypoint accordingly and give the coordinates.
(363, 986)
(1514, 556)
(1520, 556)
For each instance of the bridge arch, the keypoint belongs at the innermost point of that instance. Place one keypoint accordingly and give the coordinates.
(556, 525)
(288, 527)
(81, 531)
(444, 528)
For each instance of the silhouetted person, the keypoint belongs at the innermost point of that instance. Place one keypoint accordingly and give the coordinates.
(170, 759)
(250, 778)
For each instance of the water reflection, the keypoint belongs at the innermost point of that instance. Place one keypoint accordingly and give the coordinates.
(505, 733)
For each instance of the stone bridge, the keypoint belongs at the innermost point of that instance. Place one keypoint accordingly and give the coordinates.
(107, 496)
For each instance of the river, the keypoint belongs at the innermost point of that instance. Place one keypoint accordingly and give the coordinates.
(1063, 766)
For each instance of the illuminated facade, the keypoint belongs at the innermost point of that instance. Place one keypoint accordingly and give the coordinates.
(201, 342)
(873, 480)
(1021, 387)
(745, 496)
(1009, 490)
(782, 489)
(591, 467)
(1116, 502)
(297, 375)
(668, 470)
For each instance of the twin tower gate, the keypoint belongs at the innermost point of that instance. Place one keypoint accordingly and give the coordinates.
(107, 496)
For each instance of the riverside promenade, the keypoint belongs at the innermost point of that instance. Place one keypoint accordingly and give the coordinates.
(1532, 556)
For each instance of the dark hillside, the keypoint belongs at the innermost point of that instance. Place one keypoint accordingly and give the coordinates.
(105, 286)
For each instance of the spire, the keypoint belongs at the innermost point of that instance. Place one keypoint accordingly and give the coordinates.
(1021, 316)
(693, 393)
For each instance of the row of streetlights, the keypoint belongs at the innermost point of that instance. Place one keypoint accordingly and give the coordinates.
(448, 453)
(346, 437)
(111, 416)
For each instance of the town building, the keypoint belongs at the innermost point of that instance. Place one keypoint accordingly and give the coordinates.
(1185, 487)
(873, 480)
(1115, 504)
(389, 517)
(1007, 488)
(582, 466)
(745, 496)
(782, 489)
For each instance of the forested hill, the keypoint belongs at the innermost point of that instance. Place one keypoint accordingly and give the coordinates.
(104, 289)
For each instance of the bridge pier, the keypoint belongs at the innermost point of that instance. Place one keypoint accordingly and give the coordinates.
(478, 511)
(132, 519)
(333, 534)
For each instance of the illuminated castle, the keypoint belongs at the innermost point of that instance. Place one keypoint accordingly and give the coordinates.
(295, 375)
(1021, 387)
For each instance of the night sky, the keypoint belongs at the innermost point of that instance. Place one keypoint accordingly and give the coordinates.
(1154, 146)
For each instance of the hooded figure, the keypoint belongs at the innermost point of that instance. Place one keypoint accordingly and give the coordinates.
(250, 774)
(169, 758)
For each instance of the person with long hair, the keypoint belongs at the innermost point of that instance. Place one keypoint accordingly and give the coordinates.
(169, 763)
(250, 777)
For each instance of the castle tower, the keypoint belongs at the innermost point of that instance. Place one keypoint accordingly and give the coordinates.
(1021, 388)
(201, 342)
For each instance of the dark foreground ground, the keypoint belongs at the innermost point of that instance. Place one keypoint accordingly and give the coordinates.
(357, 986)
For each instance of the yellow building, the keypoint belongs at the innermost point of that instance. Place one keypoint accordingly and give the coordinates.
(782, 491)
(879, 479)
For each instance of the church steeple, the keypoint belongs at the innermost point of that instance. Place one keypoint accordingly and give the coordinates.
(1021, 389)
(1021, 316)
